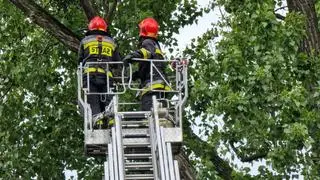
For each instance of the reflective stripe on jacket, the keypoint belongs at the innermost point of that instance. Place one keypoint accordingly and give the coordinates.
(156, 85)
(99, 70)
(98, 46)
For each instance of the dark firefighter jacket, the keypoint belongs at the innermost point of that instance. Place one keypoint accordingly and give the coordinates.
(98, 46)
(149, 49)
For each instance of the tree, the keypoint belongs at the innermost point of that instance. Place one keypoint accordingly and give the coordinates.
(41, 130)
(263, 80)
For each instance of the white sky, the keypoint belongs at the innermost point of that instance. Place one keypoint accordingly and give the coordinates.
(192, 31)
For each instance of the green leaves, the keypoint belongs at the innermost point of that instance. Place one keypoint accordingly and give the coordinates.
(266, 90)
(296, 131)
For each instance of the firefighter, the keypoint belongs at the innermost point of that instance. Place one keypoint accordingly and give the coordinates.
(149, 49)
(98, 46)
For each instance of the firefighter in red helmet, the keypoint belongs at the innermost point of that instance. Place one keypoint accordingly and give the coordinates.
(149, 49)
(98, 46)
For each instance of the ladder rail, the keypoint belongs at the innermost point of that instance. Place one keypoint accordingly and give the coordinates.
(170, 162)
(184, 100)
(159, 144)
(106, 172)
(119, 147)
(176, 169)
(153, 142)
(115, 158)
(165, 155)
(107, 166)
(83, 102)
(181, 84)
(110, 162)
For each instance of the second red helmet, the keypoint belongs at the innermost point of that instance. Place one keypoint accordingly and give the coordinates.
(149, 27)
(97, 23)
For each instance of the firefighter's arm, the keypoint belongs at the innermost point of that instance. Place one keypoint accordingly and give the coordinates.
(116, 68)
(147, 49)
(116, 55)
(128, 59)
(143, 53)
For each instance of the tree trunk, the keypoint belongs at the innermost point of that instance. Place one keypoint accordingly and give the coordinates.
(186, 169)
(307, 7)
(310, 45)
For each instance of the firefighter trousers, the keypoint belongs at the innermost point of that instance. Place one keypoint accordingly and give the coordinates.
(146, 100)
(97, 84)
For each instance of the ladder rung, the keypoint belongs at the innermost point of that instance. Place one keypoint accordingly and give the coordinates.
(137, 145)
(137, 114)
(137, 156)
(136, 140)
(139, 176)
(139, 168)
(134, 125)
(138, 164)
(135, 122)
(135, 131)
(135, 135)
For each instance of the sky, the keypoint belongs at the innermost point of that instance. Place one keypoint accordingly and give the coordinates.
(187, 33)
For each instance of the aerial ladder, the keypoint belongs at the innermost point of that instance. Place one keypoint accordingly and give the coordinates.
(141, 144)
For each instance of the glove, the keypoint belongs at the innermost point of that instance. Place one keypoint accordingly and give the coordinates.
(185, 61)
(174, 63)
(126, 60)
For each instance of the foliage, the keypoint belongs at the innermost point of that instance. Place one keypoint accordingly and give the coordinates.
(257, 84)
(263, 87)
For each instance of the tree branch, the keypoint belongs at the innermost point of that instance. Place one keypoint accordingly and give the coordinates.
(261, 154)
(280, 8)
(42, 18)
(223, 16)
(204, 150)
(186, 169)
(106, 8)
(88, 9)
(6, 92)
(110, 13)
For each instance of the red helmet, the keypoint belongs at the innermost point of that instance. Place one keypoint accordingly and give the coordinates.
(149, 27)
(97, 23)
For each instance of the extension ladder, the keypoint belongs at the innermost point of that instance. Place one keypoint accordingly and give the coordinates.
(139, 149)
